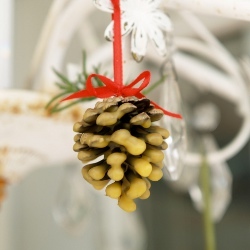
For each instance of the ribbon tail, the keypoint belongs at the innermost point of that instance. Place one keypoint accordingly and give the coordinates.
(168, 113)
(79, 94)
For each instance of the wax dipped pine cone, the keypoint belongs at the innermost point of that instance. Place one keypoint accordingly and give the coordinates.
(120, 130)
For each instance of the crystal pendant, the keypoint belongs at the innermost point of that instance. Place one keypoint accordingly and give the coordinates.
(127, 229)
(220, 185)
(170, 100)
(73, 204)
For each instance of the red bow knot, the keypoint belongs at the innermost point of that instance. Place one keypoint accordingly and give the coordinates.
(111, 88)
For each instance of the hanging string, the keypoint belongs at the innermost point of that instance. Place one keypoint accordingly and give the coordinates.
(117, 44)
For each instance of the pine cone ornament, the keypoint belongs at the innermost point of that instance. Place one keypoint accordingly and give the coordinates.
(120, 131)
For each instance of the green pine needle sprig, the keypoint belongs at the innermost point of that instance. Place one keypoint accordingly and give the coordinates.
(68, 87)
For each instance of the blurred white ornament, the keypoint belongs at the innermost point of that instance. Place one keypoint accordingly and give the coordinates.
(144, 20)
(206, 117)
(73, 204)
(170, 99)
(220, 184)
(189, 175)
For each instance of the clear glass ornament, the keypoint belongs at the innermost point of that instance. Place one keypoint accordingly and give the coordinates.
(73, 203)
(170, 100)
(119, 229)
(220, 185)
(133, 235)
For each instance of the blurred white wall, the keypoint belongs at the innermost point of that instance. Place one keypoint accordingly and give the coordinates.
(28, 21)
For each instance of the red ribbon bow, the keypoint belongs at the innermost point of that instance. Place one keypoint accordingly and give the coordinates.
(111, 88)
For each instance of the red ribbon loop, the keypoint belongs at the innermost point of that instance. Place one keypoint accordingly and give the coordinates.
(111, 88)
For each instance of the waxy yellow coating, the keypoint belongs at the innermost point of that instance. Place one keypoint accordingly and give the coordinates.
(78, 146)
(148, 183)
(96, 184)
(162, 131)
(127, 204)
(96, 141)
(164, 145)
(155, 155)
(89, 155)
(98, 172)
(133, 145)
(81, 127)
(99, 185)
(110, 118)
(90, 115)
(116, 174)
(141, 166)
(158, 164)
(137, 187)
(114, 190)
(77, 137)
(145, 195)
(155, 114)
(141, 119)
(154, 139)
(78, 127)
(115, 160)
(156, 174)
(85, 171)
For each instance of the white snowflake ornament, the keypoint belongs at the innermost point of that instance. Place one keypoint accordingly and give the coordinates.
(144, 20)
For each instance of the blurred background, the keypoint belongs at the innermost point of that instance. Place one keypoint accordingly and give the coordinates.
(31, 217)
